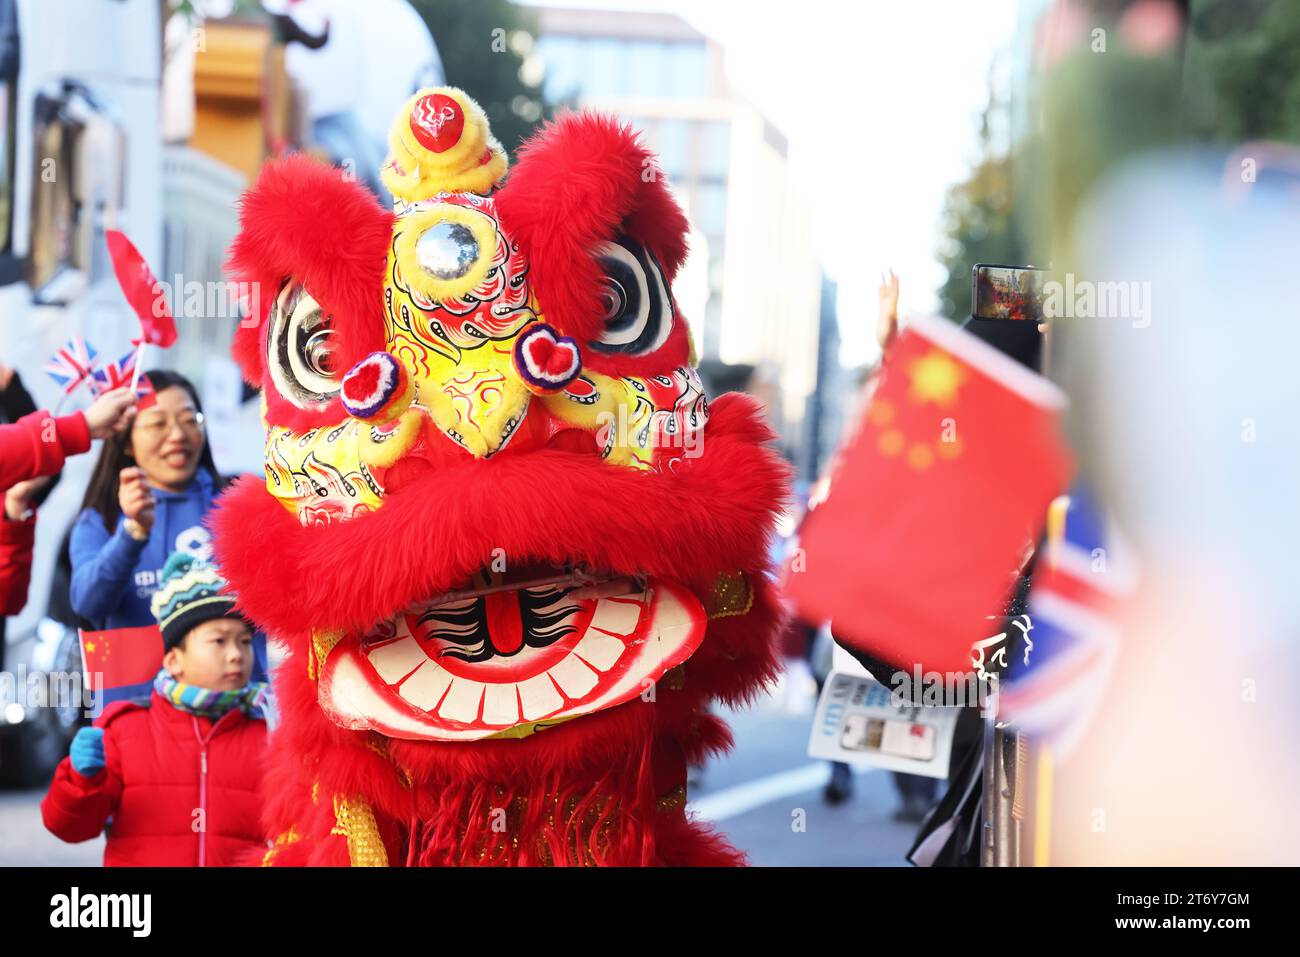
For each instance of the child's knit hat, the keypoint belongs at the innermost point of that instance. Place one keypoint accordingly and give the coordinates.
(191, 594)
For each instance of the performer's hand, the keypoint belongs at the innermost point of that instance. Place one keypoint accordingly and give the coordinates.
(135, 499)
(6, 376)
(887, 323)
(111, 412)
(87, 752)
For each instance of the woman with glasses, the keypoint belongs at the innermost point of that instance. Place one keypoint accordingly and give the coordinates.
(151, 490)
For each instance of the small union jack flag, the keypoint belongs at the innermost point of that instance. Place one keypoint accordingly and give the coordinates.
(72, 364)
(1073, 635)
(114, 375)
(145, 394)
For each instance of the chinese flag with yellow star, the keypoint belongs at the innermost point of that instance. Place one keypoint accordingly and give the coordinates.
(121, 663)
(935, 500)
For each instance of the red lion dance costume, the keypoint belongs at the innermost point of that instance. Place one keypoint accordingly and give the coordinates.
(512, 550)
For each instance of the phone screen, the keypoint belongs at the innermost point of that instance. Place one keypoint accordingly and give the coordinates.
(1007, 292)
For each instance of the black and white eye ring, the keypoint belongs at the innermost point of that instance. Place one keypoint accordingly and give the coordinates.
(301, 349)
(637, 308)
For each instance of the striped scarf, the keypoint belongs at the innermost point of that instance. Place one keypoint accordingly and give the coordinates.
(208, 703)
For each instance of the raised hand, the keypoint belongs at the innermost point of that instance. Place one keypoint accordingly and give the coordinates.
(135, 498)
(87, 752)
(887, 323)
(111, 412)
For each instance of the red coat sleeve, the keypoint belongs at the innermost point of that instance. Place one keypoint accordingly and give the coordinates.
(77, 808)
(16, 540)
(37, 444)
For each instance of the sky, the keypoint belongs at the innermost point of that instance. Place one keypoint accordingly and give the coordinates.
(880, 101)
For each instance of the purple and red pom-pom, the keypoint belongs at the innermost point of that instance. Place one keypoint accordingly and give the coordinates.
(377, 388)
(545, 360)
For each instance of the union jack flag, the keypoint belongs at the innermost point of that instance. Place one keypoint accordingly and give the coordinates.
(1073, 636)
(72, 364)
(114, 375)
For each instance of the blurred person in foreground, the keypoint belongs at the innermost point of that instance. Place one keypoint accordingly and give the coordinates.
(193, 746)
(1186, 426)
(1181, 414)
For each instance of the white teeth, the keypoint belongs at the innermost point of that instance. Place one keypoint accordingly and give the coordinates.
(672, 623)
(616, 617)
(501, 705)
(574, 678)
(599, 650)
(397, 659)
(424, 688)
(461, 703)
(539, 697)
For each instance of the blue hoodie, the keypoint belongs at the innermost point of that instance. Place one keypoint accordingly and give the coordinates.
(114, 576)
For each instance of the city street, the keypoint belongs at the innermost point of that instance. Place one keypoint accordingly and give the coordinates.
(754, 795)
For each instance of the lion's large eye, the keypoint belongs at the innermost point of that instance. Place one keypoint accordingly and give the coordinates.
(302, 349)
(636, 307)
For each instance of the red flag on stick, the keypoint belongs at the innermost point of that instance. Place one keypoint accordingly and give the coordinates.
(142, 290)
(121, 657)
(934, 501)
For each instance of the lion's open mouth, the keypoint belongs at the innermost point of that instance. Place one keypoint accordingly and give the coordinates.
(511, 652)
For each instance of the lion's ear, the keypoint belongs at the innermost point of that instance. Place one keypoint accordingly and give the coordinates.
(307, 224)
(582, 183)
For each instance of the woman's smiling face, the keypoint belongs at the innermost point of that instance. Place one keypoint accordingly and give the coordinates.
(167, 439)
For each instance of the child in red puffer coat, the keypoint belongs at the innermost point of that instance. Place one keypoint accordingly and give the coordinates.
(175, 778)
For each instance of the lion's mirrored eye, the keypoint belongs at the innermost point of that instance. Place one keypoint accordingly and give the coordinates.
(444, 251)
(447, 250)
(302, 349)
(320, 353)
(613, 300)
(635, 305)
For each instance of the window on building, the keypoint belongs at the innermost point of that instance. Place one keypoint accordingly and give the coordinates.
(673, 143)
(689, 70)
(711, 209)
(715, 148)
(647, 66)
(562, 58)
(605, 67)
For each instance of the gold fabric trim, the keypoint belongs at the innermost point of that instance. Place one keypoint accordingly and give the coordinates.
(322, 643)
(288, 837)
(356, 822)
(674, 800)
(732, 596)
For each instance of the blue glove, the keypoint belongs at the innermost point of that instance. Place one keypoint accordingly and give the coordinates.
(87, 752)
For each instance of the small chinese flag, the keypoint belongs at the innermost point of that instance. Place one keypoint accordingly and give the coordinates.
(121, 661)
(934, 502)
